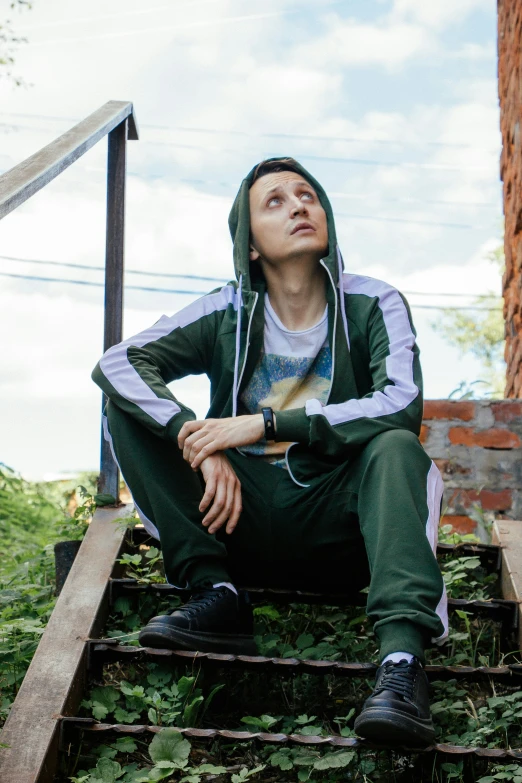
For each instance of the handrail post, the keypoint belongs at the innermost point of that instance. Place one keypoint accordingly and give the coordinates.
(108, 482)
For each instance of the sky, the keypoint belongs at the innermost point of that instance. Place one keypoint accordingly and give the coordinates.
(391, 104)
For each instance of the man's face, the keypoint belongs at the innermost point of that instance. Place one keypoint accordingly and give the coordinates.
(286, 219)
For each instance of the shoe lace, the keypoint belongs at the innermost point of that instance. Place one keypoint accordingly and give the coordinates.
(399, 678)
(203, 599)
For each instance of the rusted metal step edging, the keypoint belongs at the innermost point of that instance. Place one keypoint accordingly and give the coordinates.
(105, 651)
(88, 724)
(504, 607)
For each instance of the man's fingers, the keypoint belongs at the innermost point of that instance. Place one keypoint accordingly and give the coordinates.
(189, 443)
(210, 491)
(237, 508)
(225, 513)
(204, 451)
(218, 504)
(188, 428)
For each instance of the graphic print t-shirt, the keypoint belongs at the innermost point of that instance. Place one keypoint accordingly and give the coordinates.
(292, 368)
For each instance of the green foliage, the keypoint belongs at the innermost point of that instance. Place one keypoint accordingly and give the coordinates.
(169, 753)
(162, 703)
(507, 772)
(480, 334)
(33, 516)
(9, 42)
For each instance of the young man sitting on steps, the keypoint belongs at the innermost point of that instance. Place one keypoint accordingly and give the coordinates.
(308, 471)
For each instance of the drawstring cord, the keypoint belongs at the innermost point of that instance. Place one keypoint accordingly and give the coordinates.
(341, 295)
(238, 338)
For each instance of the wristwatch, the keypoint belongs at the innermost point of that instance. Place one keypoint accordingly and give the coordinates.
(268, 418)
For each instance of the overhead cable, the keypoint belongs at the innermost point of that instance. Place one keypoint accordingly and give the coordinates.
(220, 280)
(300, 136)
(202, 293)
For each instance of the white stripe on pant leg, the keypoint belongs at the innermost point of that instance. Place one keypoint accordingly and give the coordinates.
(149, 526)
(434, 490)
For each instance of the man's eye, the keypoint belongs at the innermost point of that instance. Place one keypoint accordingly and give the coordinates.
(308, 195)
(274, 198)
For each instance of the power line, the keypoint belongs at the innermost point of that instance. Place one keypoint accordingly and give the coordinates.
(98, 285)
(102, 269)
(333, 194)
(292, 136)
(329, 159)
(202, 293)
(220, 280)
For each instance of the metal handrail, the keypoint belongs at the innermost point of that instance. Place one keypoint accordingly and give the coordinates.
(116, 120)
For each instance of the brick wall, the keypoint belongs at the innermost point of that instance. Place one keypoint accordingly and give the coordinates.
(510, 95)
(477, 446)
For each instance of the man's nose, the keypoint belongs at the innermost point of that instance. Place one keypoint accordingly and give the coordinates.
(299, 208)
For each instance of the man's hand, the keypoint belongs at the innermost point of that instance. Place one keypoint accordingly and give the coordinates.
(200, 439)
(223, 487)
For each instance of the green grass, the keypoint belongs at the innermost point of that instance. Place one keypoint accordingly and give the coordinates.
(33, 516)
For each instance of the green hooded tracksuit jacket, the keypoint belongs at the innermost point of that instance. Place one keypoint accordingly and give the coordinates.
(360, 495)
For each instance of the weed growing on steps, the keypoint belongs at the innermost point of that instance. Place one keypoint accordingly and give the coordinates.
(467, 714)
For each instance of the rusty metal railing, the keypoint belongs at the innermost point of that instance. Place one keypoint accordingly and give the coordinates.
(116, 120)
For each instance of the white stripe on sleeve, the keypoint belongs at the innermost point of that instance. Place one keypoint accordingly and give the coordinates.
(124, 377)
(399, 363)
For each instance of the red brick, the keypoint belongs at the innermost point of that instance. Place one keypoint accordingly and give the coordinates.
(509, 81)
(425, 431)
(489, 500)
(449, 409)
(506, 411)
(486, 439)
(460, 524)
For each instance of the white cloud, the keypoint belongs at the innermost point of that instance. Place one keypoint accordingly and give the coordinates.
(351, 43)
(437, 15)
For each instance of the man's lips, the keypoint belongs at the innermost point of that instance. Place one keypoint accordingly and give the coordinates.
(302, 227)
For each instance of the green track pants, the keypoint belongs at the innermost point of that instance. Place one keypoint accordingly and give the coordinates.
(370, 520)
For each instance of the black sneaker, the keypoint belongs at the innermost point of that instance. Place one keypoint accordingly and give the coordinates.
(213, 620)
(398, 711)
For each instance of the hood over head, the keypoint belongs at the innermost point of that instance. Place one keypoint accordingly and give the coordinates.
(239, 224)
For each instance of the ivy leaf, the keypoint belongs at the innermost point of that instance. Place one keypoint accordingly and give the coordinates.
(125, 745)
(159, 677)
(108, 771)
(341, 758)
(123, 716)
(282, 760)
(103, 701)
(265, 722)
(305, 640)
(169, 745)
(302, 719)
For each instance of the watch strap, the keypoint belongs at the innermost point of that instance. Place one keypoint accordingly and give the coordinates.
(268, 418)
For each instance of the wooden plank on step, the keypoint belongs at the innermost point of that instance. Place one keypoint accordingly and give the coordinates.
(54, 682)
(507, 533)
